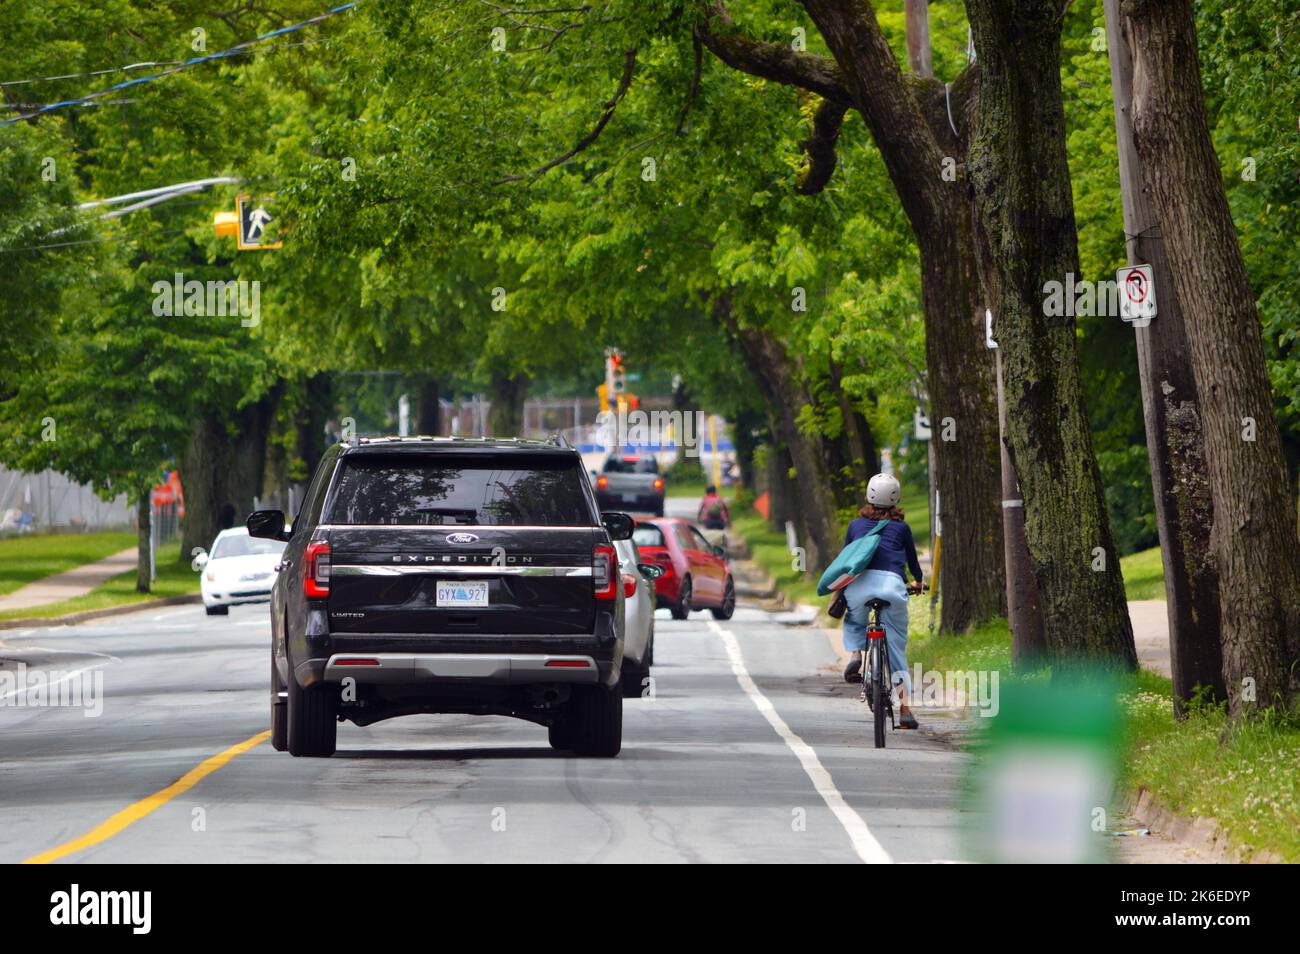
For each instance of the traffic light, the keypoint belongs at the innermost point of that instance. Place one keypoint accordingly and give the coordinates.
(618, 375)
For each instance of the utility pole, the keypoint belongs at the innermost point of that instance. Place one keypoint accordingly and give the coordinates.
(916, 15)
(1171, 412)
(1024, 614)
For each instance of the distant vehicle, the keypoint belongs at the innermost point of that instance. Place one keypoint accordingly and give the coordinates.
(631, 482)
(696, 573)
(448, 575)
(638, 579)
(238, 569)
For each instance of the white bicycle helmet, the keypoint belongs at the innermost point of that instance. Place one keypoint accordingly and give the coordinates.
(883, 491)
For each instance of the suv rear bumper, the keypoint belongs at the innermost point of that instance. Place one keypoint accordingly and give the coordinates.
(482, 668)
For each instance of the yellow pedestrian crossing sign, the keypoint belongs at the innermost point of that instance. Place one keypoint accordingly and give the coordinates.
(254, 223)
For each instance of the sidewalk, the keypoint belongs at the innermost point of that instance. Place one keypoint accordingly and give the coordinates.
(63, 586)
(1151, 635)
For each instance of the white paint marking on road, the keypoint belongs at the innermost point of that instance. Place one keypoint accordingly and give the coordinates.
(864, 843)
(71, 652)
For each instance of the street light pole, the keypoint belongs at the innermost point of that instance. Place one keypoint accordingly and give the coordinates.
(1024, 614)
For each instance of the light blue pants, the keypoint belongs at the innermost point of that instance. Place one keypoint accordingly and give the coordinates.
(885, 585)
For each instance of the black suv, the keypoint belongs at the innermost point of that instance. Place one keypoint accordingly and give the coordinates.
(447, 575)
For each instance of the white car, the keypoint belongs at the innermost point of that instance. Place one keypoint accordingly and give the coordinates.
(638, 616)
(238, 569)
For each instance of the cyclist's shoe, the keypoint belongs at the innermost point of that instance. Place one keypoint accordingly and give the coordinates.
(906, 720)
(853, 671)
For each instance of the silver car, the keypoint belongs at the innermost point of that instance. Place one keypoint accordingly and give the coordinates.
(638, 617)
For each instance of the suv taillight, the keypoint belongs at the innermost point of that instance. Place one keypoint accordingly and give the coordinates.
(602, 482)
(604, 572)
(316, 571)
(659, 485)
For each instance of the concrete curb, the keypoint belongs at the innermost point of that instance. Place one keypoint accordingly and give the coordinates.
(1203, 834)
(84, 615)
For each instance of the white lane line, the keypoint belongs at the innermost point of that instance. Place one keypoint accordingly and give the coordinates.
(70, 652)
(864, 843)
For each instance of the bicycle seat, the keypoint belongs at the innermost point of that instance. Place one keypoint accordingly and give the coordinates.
(877, 604)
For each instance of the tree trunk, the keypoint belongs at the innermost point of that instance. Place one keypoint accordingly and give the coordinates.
(910, 121)
(815, 512)
(1172, 414)
(506, 416)
(203, 473)
(1017, 164)
(222, 473)
(428, 409)
(1254, 544)
(858, 448)
(963, 420)
(256, 423)
(144, 540)
(911, 126)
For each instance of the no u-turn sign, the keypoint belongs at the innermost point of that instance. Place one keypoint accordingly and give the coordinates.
(1137, 294)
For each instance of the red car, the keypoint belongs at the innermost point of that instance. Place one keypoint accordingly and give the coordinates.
(696, 575)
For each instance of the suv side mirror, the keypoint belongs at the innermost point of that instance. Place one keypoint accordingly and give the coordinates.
(268, 524)
(619, 525)
(720, 551)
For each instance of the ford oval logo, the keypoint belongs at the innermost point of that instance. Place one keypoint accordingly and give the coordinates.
(462, 537)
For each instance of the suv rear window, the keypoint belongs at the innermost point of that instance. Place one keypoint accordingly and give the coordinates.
(631, 465)
(445, 491)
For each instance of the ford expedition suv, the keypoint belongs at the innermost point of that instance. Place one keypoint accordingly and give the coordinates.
(446, 575)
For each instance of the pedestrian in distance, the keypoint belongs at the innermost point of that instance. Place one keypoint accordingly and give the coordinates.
(713, 513)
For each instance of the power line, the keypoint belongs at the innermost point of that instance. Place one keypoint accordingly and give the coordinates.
(104, 238)
(233, 51)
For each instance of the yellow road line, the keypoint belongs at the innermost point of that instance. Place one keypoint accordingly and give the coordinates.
(133, 813)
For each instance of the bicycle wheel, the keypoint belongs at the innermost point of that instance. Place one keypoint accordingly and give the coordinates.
(879, 694)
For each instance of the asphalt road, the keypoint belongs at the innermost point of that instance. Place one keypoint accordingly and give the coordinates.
(751, 750)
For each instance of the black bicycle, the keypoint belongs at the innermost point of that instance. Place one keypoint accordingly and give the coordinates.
(877, 683)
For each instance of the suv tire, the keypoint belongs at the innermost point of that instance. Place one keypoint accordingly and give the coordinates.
(279, 712)
(634, 676)
(560, 735)
(221, 610)
(312, 724)
(596, 714)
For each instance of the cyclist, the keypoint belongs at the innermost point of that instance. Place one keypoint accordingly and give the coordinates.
(885, 578)
(713, 513)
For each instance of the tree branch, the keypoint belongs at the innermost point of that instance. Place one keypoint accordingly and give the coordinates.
(820, 147)
(624, 82)
(773, 61)
(695, 83)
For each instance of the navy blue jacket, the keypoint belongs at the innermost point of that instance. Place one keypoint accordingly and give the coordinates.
(896, 551)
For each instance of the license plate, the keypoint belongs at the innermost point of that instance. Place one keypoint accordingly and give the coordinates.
(629, 498)
(460, 594)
